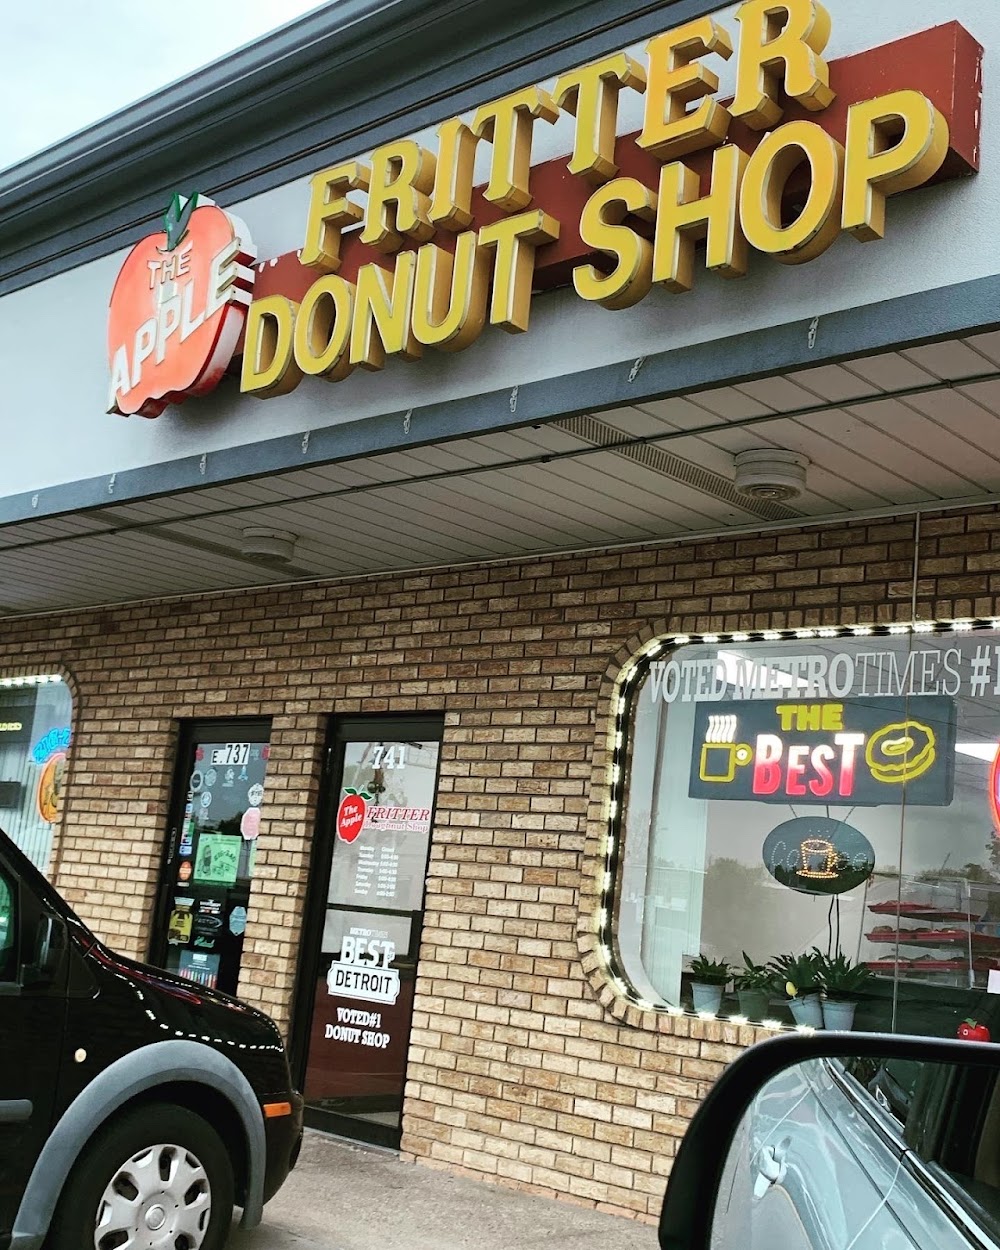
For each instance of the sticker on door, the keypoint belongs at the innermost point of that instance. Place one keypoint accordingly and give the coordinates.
(363, 969)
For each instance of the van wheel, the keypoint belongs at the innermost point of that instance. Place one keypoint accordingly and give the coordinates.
(157, 1177)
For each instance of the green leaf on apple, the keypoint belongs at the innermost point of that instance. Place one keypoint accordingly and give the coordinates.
(176, 218)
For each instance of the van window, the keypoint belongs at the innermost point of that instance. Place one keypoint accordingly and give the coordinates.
(8, 928)
(958, 1136)
(950, 1117)
(891, 1082)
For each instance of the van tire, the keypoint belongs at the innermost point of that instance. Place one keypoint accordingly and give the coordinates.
(118, 1153)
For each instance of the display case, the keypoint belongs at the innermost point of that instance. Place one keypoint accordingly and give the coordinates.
(939, 931)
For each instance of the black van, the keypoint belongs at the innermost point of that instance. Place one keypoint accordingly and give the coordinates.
(136, 1108)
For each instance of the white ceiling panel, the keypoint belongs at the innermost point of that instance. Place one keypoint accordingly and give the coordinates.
(950, 359)
(988, 345)
(730, 403)
(780, 394)
(559, 512)
(368, 525)
(125, 566)
(833, 383)
(427, 511)
(617, 487)
(887, 430)
(891, 372)
(635, 422)
(484, 523)
(500, 494)
(51, 528)
(958, 430)
(682, 414)
(580, 489)
(987, 394)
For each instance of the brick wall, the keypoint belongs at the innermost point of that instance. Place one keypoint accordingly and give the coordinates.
(525, 1067)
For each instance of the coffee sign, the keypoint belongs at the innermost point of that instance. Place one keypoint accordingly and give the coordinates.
(818, 855)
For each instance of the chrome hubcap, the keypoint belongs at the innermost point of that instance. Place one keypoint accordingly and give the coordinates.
(159, 1199)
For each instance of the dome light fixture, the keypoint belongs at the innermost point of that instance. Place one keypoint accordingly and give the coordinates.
(277, 545)
(771, 474)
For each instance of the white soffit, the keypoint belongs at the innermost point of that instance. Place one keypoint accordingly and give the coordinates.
(917, 427)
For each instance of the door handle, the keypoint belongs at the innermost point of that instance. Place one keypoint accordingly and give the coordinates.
(771, 1169)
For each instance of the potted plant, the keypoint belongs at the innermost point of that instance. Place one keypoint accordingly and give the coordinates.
(709, 978)
(799, 974)
(842, 982)
(754, 986)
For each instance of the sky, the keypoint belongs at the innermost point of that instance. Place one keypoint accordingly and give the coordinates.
(67, 65)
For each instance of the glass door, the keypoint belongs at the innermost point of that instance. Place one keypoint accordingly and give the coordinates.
(204, 897)
(363, 933)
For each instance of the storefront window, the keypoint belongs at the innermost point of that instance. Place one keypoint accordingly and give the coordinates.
(35, 717)
(815, 808)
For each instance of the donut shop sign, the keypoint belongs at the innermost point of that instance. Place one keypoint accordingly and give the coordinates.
(401, 252)
(865, 754)
(865, 727)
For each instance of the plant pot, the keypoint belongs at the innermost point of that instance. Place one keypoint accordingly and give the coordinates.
(838, 1014)
(707, 997)
(754, 1004)
(807, 1009)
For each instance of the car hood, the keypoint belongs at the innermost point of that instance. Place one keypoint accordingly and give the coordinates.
(173, 1001)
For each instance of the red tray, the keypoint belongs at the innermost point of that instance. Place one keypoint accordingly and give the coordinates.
(938, 937)
(920, 911)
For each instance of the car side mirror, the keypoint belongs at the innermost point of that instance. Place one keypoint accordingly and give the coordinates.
(809, 1141)
(46, 954)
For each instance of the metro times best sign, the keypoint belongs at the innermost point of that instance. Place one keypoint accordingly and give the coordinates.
(845, 752)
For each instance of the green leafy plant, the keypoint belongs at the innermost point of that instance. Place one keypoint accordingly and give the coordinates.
(754, 976)
(710, 971)
(796, 974)
(840, 978)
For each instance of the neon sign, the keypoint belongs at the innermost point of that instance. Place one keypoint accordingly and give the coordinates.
(994, 794)
(860, 753)
(48, 796)
(818, 855)
(54, 742)
(819, 860)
